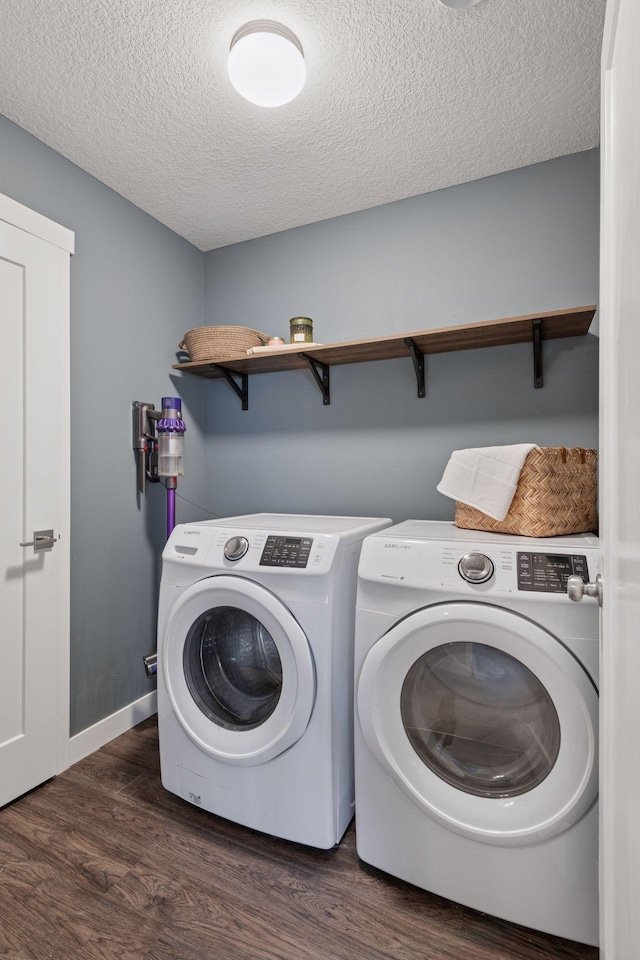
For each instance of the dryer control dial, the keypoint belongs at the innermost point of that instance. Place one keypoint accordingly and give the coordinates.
(235, 548)
(475, 568)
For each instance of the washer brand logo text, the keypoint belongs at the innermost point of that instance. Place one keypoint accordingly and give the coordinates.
(397, 546)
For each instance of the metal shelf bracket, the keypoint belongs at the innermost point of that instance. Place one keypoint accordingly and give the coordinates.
(320, 372)
(536, 334)
(418, 364)
(241, 389)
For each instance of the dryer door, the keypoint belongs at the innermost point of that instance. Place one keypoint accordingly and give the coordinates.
(238, 670)
(485, 720)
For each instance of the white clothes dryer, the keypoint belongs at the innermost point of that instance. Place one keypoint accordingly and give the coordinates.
(477, 718)
(255, 670)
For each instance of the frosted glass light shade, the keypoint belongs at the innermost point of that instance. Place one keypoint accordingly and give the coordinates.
(459, 4)
(266, 63)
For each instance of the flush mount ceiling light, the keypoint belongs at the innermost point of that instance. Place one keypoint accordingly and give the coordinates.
(459, 4)
(266, 63)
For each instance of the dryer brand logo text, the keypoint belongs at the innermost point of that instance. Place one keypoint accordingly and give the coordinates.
(397, 546)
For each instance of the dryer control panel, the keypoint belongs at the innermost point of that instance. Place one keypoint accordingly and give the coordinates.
(488, 566)
(549, 572)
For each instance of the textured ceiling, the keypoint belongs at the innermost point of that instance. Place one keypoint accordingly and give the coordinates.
(402, 97)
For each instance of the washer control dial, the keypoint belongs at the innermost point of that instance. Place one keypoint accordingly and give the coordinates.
(235, 548)
(475, 568)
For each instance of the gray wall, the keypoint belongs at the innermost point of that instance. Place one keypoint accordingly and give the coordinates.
(135, 288)
(516, 243)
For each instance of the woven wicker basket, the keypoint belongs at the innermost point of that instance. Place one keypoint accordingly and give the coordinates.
(220, 343)
(556, 494)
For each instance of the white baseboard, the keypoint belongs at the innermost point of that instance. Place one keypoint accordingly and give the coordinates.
(91, 739)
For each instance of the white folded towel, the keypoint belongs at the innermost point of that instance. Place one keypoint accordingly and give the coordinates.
(485, 477)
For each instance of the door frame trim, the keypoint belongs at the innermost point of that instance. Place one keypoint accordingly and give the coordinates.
(21, 217)
(613, 938)
(35, 223)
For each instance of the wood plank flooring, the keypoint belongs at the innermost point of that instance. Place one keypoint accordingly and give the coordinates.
(103, 864)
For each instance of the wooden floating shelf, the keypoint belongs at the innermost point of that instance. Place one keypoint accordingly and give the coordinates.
(533, 328)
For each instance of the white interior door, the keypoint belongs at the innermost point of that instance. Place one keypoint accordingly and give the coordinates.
(34, 585)
(620, 483)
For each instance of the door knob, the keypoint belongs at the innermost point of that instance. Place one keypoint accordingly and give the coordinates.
(42, 540)
(577, 588)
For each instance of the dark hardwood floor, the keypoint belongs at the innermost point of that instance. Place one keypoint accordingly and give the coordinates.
(103, 863)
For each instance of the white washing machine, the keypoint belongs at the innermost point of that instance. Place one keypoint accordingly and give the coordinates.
(477, 718)
(255, 670)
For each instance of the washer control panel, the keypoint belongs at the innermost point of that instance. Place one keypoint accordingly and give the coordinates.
(549, 572)
(286, 551)
(475, 567)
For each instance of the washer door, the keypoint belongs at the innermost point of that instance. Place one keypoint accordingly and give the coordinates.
(485, 720)
(238, 670)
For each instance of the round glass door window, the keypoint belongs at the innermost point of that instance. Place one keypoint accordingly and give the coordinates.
(232, 668)
(480, 720)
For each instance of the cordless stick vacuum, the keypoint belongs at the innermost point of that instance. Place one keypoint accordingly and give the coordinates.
(158, 439)
(171, 431)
